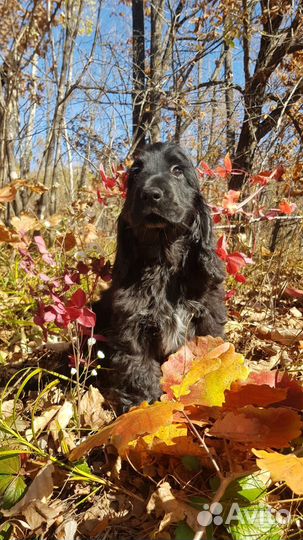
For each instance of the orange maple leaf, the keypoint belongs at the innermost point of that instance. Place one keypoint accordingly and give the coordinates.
(142, 420)
(259, 428)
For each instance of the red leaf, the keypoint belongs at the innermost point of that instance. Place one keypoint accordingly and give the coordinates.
(87, 318)
(273, 427)
(221, 171)
(206, 169)
(264, 177)
(278, 172)
(222, 248)
(230, 294)
(73, 313)
(82, 268)
(78, 299)
(228, 164)
(240, 278)
(287, 207)
(49, 316)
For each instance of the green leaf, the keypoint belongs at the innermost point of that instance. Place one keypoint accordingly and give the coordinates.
(5, 480)
(10, 465)
(82, 467)
(256, 522)
(6, 531)
(191, 463)
(184, 532)
(14, 492)
(251, 488)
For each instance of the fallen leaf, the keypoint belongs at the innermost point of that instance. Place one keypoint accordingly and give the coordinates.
(259, 428)
(40, 422)
(91, 409)
(8, 236)
(260, 395)
(40, 489)
(67, 242)
(67, 530)
(40, 515)
(281, 379)
(210, 376)
(282, 468)
(163, 501)
(23, 223)
(285, 336)
(172, 440)
(142, 420)
(287, 207)
(293, 292)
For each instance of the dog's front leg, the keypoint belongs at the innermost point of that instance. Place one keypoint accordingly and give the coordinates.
(136, 379)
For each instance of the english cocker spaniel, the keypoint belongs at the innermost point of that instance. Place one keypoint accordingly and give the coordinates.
(167, 284)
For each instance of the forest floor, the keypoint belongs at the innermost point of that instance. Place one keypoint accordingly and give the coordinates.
(165, 464)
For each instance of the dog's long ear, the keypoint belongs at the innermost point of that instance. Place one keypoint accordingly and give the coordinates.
(126, 252)
(202, 231)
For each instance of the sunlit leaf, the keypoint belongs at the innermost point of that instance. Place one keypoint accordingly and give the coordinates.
(282, 468)
(143, 420)
(259, 428)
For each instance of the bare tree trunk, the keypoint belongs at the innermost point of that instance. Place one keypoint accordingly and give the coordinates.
(229, 93)
(54, 142)
(156, 68)
(138, 95)
(27, 147)
(277, 41)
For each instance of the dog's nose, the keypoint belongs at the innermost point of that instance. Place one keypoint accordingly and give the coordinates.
(152, 195)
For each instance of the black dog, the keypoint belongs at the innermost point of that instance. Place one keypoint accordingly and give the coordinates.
(167, 279)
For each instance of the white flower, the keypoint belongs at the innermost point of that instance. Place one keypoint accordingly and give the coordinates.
(94, 373)
(101, 355)
(91, 341)
(73, 371)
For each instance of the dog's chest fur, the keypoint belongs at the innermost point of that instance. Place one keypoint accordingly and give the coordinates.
(161, 314)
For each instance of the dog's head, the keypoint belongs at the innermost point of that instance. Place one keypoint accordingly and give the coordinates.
(163, 188)
(164, 203)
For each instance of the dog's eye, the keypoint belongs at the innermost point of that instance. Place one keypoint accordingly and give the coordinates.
(136, 167)
(176, 170)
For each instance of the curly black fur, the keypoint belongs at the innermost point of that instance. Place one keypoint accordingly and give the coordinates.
(167, 279)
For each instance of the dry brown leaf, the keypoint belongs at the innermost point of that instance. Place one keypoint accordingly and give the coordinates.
(42, 515)
(67, 530)
(67, 242)
(24, 223)
(164, 501)
(40, 422)
(41, 489)
(285, 336)
(91, 409)
(8, 236)
(63, 439)
(8, 193)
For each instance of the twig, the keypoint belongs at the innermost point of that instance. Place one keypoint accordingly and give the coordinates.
(263, 218)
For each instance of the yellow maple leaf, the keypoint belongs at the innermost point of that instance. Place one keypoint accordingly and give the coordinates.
(282, 468)
(210, 376)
